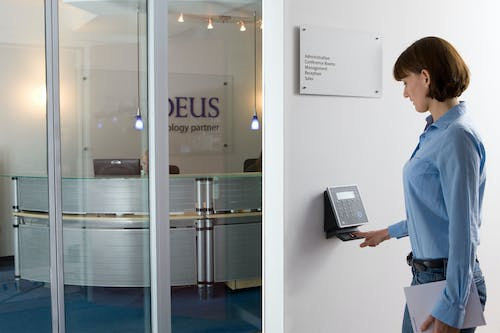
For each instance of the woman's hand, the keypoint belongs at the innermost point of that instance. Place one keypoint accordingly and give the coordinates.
(373, 238)
(439, 326)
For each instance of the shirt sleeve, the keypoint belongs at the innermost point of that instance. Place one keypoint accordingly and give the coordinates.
(460, 164)
(398, 230)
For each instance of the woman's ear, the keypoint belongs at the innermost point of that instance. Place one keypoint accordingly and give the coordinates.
(426, 77)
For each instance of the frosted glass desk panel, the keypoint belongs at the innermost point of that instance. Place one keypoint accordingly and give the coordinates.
(238, 193)
(87, 195)
(232, 192)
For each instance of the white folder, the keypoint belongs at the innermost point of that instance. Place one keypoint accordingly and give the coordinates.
(422, 298)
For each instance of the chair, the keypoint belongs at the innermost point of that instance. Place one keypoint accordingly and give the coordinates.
(173, 169)
(250, 165)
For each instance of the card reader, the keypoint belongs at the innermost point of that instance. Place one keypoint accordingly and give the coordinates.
(344, 212)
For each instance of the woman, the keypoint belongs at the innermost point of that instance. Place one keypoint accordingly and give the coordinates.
(444, 183)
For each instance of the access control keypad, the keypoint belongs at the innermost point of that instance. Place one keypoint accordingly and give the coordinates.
(347, 205)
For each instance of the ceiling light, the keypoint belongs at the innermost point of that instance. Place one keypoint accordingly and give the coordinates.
(210, 26)
(242, 26)
(139, 124)
(180, 19)
(254, 123)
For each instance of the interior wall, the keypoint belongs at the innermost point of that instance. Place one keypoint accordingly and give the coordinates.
(221, 51)
(23, 125)
(109, 98)
(195, 50)
(334, 286)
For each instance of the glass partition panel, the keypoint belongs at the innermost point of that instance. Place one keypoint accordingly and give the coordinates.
(215, 200)
(23, 150)
(104, 196)
(215, 235)
(214, 84)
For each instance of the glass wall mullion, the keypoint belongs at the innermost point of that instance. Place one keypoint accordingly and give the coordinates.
(54, 165)
(159, 158)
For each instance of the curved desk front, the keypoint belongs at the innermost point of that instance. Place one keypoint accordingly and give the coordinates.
(106, 230)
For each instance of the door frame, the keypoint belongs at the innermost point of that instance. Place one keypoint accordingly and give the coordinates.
(157, 26)
(273, 166)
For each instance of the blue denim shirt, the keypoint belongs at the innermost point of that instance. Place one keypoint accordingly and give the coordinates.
(443, 186)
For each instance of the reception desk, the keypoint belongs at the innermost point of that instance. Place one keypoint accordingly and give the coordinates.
(215, 229)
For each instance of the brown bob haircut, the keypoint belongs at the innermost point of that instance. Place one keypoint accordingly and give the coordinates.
(448, 72)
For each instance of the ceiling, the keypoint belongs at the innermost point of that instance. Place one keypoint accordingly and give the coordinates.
(95, 21)
(194, 7)
(242, 8)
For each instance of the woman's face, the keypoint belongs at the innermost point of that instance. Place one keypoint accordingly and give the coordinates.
(416, 88)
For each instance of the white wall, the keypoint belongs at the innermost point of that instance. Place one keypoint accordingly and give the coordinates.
(334, 286)
(23, 126)
(109, 98)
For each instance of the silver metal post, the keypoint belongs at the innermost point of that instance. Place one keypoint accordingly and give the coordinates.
(201, 257)
(209, 235)
(209, 252)
(204, 235)
(15, 224)
(199, 196)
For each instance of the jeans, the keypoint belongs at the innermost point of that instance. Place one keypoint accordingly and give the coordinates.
(437, 274)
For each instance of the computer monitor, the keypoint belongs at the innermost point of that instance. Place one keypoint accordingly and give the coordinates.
(117, 167)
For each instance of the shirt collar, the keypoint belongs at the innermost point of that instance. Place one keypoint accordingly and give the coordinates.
(449, 117)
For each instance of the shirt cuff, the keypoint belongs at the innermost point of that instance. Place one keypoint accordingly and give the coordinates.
(450, 314)
(398, 230)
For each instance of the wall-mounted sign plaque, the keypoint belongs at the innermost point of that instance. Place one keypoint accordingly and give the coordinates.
(339, 62)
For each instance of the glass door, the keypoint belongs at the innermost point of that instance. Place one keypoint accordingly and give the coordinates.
(25, 284)
(105, 204)
(75, 133)
(215, 183)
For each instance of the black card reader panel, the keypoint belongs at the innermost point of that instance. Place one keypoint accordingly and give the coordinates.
(343, 212)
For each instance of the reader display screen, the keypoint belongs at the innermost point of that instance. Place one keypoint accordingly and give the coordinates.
(345, 195)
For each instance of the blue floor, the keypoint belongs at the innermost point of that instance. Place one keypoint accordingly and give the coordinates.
(25, 307)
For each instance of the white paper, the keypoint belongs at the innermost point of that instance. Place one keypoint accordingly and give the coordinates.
(422, 298)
